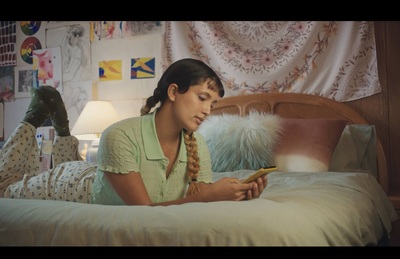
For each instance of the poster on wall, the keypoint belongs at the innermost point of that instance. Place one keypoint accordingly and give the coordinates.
(110, 70)
(30, 28)
(130, 86)
(75, 50)
(26, 78)
(73, 38)
(142, 68)
(8, 39)
(107, 30)
(7, 84)
(30, 36)
(48, 64)
(29, 45)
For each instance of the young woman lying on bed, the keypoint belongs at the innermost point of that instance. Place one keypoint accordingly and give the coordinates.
(141, 161)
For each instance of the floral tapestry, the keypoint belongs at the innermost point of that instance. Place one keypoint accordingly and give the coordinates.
(333, 59)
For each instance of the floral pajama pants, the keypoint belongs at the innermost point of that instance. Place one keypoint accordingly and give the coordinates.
(70, 178)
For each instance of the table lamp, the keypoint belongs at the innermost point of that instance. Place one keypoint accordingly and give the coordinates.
(95, 117)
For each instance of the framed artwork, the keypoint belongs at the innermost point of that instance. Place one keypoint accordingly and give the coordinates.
(25, 79)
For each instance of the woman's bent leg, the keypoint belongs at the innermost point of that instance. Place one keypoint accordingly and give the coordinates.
(65, 149)
(19, 156)
(70, 181)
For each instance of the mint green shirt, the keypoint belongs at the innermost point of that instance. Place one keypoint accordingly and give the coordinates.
(131, 145)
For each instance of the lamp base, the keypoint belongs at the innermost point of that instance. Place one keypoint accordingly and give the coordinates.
(91, 155)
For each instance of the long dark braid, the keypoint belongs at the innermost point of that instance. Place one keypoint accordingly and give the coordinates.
(193, 165)
(185, 73)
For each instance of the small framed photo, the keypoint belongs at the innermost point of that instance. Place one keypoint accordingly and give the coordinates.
(25, 78)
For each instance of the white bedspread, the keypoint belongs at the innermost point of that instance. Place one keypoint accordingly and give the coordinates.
(296, 209)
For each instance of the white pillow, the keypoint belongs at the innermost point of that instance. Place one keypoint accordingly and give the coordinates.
(237, 143)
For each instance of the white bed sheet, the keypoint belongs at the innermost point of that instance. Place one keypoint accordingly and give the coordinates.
(296, 209)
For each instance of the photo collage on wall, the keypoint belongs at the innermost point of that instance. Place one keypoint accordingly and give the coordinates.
(140, 67)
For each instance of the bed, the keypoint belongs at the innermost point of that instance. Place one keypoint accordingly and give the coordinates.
(311, 200)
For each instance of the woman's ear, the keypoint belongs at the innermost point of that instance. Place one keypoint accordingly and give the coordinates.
(172, 91)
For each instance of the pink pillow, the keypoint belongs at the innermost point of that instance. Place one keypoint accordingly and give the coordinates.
(307, 145)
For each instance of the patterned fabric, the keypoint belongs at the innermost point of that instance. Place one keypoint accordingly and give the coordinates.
(336, 60)
(20, 175)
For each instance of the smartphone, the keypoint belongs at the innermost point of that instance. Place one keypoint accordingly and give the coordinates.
(260, 172)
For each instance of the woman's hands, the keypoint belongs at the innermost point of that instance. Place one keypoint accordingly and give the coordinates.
(131, 189)
(258, 187)
(230, 188)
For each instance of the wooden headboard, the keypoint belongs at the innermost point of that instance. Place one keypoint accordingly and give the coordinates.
(294, 105)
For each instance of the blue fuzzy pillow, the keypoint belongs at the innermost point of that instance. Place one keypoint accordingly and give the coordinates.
(237, 143)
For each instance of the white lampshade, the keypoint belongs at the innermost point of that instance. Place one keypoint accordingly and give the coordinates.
(94, 118)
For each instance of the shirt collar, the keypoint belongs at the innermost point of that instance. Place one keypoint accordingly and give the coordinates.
(152, 147)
